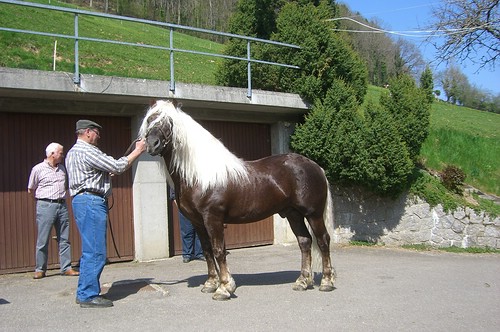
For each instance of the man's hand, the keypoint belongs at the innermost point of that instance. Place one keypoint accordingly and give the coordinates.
(140, 145)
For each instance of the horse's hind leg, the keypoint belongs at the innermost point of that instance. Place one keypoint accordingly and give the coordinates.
(323, 239)
(304, 239)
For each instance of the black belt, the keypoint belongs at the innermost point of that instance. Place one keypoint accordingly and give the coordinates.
(59, 201)
(95, 193)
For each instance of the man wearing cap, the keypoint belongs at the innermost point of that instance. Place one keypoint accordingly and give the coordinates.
(89, 172)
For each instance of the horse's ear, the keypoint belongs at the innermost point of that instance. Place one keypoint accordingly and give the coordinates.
(152, 102)
(176, 103)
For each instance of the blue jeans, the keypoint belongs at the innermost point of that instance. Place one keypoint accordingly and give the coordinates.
(191, 246)
(91, 215)
(50, 215)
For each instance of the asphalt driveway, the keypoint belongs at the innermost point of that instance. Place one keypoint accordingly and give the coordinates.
(377, 289)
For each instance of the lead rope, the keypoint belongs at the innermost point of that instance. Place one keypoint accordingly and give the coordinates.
(111, 227)
(113, 203)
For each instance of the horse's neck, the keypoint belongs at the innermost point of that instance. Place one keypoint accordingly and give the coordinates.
(171, 170)
(179, 185)
(167, 157)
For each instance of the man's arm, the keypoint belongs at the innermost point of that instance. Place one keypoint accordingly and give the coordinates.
(140, 147)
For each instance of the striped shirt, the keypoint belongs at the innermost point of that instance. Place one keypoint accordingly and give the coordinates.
(48, 182)
(89, 169)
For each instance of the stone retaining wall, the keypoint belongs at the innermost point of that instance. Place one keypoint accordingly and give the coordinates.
(363, 217)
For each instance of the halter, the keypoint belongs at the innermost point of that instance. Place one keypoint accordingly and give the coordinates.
(168, 138)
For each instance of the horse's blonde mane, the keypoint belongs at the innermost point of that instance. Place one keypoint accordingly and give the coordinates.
(197, 156)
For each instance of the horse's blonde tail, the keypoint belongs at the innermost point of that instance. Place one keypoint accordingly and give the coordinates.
(328, 215)
(316, 265)
(317, 260)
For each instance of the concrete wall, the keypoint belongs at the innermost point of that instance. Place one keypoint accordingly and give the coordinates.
(406, 220)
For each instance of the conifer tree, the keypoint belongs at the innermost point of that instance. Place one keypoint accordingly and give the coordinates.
(409, 108)
(427, 84)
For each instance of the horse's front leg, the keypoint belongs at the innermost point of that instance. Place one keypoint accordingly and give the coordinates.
(212, 283)
(227, 285)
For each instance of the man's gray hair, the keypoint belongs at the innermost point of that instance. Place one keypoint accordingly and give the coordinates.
(52, 147)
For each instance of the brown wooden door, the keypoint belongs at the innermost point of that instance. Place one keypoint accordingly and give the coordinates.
(249, 141)
(23, 141)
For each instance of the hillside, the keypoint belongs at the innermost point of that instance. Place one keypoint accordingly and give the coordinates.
(463, 137)
(36, 52)
(459, 136)
(467, 138)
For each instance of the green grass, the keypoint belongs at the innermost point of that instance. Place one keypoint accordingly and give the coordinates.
(426, 247)
(363, 243)
(430, 188)
(464, 137)
(470, 250)
(36, 52)
(373, 95)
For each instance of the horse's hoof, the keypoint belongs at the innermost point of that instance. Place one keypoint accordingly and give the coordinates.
(327, 284)
(208, 290)
(209, 287)
(221, 296)
(230, 286)
(297, 287)
(326, 288)
(302, 284)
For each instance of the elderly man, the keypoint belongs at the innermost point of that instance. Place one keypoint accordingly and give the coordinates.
(47, 183)
(90, 171)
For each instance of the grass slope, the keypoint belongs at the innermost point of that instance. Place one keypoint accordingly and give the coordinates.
(466, 138)
(36, 52)
(462, 137)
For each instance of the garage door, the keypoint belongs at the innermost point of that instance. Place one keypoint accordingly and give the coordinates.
(23, 141)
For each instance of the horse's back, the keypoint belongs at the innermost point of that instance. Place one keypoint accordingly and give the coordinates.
(300, 179)
(291, 163)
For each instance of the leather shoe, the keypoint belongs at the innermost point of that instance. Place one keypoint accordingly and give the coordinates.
(77, 301)
(97, 302)
(39, 275)
(71, 273)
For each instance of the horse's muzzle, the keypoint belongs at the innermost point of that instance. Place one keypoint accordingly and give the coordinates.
(154, 146)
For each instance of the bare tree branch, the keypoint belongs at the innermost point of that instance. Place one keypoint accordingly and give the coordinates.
(469, 29)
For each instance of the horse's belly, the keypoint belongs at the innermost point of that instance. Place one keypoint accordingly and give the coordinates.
(246, 219)
(247, 211)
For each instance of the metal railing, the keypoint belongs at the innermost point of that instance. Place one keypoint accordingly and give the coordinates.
(77, 37)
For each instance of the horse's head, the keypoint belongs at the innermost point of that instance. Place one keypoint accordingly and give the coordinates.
(157, 138)
(156, 128)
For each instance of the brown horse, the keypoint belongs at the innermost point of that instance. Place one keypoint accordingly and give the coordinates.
(214, 187)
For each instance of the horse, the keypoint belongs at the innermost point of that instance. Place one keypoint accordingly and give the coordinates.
(213, 187)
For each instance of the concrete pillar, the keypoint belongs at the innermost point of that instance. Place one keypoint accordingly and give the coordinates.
(150, 207)
(280, 143)
(280, 137)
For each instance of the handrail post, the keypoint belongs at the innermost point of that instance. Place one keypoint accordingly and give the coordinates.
(172, 79)
(76, 78)
(249, 71)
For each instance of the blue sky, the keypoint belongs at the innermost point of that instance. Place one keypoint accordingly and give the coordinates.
(413, 15)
